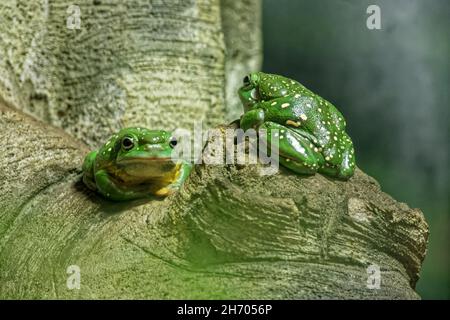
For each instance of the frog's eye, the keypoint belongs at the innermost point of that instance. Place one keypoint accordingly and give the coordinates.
(254, 94)
(173, 142)
(246, 80)
(127, 143)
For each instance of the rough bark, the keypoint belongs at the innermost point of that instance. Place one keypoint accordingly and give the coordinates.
(241, 22)
(229, 233)
(158, 64)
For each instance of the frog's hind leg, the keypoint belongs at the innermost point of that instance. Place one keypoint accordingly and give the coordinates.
(345, 169)
(296, 152)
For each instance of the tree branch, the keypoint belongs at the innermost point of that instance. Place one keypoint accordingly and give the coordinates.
(229, 233)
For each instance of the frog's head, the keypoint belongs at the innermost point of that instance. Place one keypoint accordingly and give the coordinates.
(260, 86)
(139, 154)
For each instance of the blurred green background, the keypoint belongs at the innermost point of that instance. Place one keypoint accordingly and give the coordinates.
(392, 87)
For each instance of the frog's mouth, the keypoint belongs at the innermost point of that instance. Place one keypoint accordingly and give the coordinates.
(146, 168)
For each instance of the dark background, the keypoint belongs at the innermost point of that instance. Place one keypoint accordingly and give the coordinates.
(392, 87)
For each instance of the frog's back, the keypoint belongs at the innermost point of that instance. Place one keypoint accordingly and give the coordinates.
(325, 122)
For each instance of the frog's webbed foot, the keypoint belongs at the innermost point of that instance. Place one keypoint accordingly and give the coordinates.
(296, 152)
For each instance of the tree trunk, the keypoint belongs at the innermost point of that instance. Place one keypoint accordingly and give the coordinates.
(229, 233)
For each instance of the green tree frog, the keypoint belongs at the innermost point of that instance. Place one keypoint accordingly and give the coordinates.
(135, 163)
(311, 131)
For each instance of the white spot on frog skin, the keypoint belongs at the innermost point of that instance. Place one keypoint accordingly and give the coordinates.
(273, 103)
(285, 105)
(335, 138)
(316, 150)
(320, 109)
(296, 144)
(303, 117)
(283, 131)
(297, 95)
(327, 158)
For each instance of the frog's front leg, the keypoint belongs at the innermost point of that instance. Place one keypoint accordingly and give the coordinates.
(296, 152)
(183, 171)
(279, 110)
(252, 119)
(88, 170)
(111, 188)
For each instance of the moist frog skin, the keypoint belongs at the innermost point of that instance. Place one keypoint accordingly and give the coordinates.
(135, 163)
(311, 131)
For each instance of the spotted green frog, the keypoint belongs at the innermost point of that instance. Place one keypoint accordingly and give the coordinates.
(311, 130)
(135, 163)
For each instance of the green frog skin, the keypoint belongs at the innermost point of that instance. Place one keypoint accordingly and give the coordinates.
(311, 130)
(135, 163)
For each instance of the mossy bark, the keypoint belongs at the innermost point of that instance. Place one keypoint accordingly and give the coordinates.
(229, 233)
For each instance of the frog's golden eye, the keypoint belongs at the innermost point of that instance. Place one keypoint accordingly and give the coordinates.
(246, 80)
(127, 143)
(173, 142)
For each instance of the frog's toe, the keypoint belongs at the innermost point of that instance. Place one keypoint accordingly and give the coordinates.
(165, 191)
(346, 171)
(347, 167)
